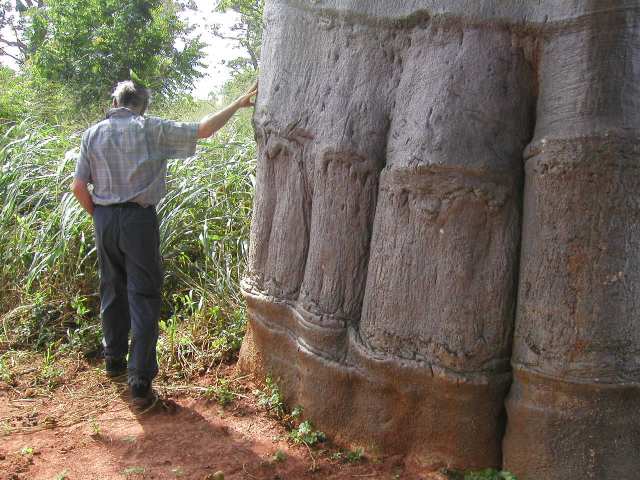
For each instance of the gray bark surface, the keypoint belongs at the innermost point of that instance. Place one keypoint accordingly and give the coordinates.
(447, 202)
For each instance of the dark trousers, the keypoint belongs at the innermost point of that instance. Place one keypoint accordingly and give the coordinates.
(128, 244)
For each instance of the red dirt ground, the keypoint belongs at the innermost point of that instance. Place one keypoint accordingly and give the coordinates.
(84, 429)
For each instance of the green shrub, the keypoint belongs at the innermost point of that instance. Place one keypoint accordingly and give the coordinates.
(48, 265)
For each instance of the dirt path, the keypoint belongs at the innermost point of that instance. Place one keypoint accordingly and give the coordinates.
(84, 429)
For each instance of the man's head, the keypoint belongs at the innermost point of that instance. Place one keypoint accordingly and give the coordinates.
(129, 95)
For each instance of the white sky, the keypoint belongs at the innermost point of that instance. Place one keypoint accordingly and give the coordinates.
(216, 50)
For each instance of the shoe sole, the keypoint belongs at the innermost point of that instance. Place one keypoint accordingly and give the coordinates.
(146, 403)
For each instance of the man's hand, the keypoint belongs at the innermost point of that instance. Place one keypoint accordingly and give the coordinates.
(81, 192)
(212, 123)
(246, 99)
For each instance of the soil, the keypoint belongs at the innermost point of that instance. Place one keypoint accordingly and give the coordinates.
(81, 427)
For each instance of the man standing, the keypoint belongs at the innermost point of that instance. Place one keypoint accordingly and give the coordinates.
(125, 158)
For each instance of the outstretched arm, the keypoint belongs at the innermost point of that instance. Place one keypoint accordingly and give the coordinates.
(214, 122)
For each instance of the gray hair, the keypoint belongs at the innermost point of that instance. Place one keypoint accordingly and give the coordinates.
(128, 94)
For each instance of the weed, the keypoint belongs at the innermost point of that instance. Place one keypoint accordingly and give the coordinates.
(349, 456)
(48, 263)
(271, 398)
(177, 471)
(95, 428)
(6, 373)
(306, 434)
(487, 474)
(63, 475)
(27, 451)
(79, 305)
(221, 392)
(50, 374)
(354, 456)
(279, 456)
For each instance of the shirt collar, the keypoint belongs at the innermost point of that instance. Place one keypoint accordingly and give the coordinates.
(121, 112)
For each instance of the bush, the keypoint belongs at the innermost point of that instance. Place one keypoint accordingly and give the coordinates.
(48, 265)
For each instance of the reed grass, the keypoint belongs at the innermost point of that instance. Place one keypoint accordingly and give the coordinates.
(48, 265)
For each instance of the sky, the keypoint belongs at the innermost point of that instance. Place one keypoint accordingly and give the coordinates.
(216, 51)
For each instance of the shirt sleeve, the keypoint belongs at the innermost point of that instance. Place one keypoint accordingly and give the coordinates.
(167, 139)
(83, 168)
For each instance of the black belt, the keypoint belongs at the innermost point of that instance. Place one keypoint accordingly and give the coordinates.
(124, 205)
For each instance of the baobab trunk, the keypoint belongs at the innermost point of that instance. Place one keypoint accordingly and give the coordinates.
(573, 408)
(390, 240)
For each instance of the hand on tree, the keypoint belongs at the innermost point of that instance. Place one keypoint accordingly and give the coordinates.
(246, 99)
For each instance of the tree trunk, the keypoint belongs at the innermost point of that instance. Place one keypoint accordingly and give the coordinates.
(389, 228)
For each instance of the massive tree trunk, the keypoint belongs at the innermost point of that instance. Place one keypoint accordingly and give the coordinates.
(397, 141)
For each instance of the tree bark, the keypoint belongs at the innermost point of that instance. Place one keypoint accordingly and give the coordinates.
(390, 240)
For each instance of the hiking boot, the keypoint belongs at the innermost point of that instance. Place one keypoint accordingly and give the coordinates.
(142, 395)
(115, 367)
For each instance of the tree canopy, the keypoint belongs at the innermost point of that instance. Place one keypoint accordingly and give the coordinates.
(246, 33)
(89, 45)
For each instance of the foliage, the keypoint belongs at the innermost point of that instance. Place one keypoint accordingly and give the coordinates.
(300, 432)
(271, 399)
(221, 392)
(349, 456)
(247, 33)
(24, 95)
(89, 45)
(12, 95)
(487, 474)
(306, 434)
(239, 84)
(27, 451)
(74, 52)
(279, 456)
(13, 22)
(48, 266)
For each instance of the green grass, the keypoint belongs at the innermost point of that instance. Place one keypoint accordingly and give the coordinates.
(48, 265)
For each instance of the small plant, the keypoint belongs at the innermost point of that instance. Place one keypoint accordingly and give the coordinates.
(488, 474)
(27, 451)
(83, 333)
(279, 456)
(221, 392)
(177, 471)
(349, 456)
(297, 412)
(354, 456)
(6, 375)
(79, 304)
(63, 475)
(50, 374)
(306, 434)
(95, 428)
(271, 398)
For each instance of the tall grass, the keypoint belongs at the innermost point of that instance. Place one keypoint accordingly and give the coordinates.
(48, 266)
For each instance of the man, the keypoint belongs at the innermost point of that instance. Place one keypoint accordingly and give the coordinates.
(125, 157)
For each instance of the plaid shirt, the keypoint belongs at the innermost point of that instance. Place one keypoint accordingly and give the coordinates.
(125, 156)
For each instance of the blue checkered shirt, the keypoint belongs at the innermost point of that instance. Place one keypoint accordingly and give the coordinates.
(125, 156)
